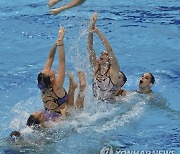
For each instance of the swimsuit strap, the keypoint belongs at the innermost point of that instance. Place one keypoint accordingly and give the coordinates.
(55, 93)
(120, 92)
(61, 101)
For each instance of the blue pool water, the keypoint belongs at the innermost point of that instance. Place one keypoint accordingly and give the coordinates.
(145, 36)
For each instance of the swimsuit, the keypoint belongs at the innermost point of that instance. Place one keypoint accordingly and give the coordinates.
(50, 96)
(50, 115)
(103, 87)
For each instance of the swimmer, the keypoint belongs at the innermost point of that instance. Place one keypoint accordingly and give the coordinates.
(42, 118)
(54, 96)
(72, 4)
(53, 93)
(106, 70)
(146, 81)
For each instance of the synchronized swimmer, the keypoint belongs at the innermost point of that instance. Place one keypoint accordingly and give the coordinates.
(107, 77)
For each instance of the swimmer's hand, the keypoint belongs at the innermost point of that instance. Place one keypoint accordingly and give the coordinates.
(93, 20)
(61, 33)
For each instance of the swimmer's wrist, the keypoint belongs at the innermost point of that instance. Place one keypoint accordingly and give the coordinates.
(60, 43)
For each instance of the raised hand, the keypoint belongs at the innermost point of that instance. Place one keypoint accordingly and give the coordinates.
(61, 36)
(93, 21)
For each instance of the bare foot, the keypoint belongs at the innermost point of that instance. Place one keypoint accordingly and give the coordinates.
(82, 81)
(73, 83)
(52, 2)
(56, 11)
(93, 20)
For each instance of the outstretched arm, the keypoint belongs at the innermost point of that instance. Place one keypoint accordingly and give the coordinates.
(92, 55)
(73, 3)
(50, 57)
(61, 67)
(109, 50)
(115, 68)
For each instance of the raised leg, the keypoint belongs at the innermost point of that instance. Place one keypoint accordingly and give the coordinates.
(72, 87)
(82, 85)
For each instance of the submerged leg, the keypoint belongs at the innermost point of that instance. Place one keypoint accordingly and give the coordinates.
(82, 85)
(73, 3)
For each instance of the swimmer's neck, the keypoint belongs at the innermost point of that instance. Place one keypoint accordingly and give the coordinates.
(146, 90)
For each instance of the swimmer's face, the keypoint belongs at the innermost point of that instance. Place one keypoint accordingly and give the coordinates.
(120, 79)
(51, 73)
(145, 81)
(104, 58)
(39, 116)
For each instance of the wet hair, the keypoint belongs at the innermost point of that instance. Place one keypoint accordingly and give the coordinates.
(15, 134)
(124, 78)
(43, 81)
(32, 121)
(152, 78)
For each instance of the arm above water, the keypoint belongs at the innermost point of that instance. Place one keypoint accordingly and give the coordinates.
(50, 58)
(91, 52)
(115, 68)
(61, 67)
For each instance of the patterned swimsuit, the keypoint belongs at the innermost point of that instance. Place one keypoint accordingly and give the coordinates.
(50, 96)
(103, 87)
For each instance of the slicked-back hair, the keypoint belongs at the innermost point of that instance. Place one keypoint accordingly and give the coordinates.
(152, 78)
(43, 81)
(124, 78)
(32, 121)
